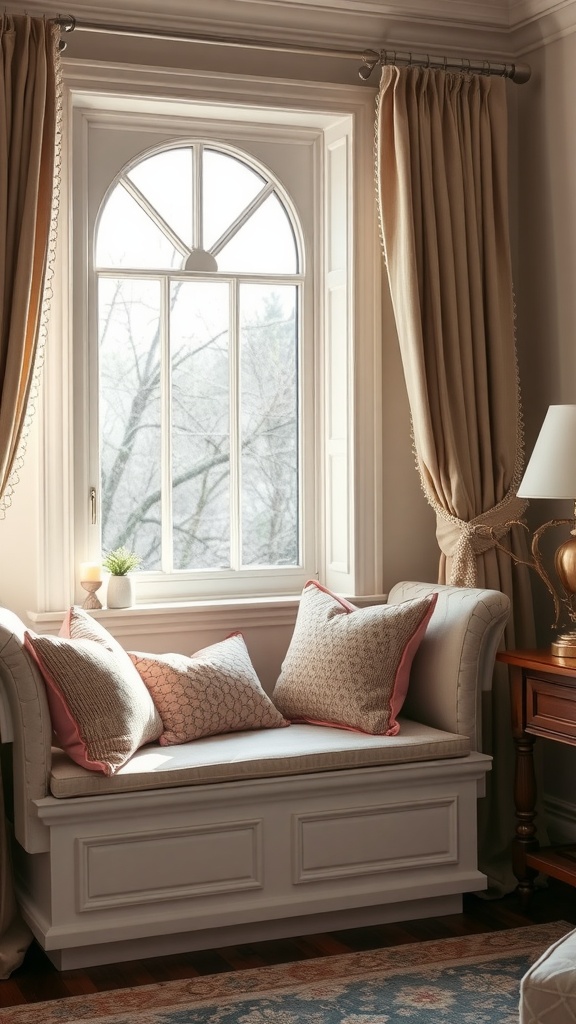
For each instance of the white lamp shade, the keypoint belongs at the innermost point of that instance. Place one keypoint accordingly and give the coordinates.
(551, 471)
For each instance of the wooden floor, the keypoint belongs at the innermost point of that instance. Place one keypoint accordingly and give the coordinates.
(37, 979)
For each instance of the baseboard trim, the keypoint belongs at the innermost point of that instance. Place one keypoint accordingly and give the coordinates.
(168, 945)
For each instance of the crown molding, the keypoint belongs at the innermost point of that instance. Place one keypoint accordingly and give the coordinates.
(493, 29)
(522, 12)
(537, 23)
(490, 13)
(424, 25)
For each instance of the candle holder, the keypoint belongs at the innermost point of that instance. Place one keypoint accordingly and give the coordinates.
(91, 586)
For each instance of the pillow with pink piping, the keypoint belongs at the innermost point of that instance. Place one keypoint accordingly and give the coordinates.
(78, 624)
(100, 709)
(350, 667)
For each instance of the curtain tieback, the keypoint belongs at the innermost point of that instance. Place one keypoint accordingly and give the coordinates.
(463, 540)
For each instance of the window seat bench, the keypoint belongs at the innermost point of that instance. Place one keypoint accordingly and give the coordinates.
(260, 834)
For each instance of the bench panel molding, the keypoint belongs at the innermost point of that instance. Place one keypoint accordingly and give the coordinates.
(418, 833)
(143, 867)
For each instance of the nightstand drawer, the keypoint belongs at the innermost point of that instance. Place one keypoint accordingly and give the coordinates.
(550, 709)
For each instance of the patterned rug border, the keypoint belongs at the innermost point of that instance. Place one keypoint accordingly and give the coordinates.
(100, 1007)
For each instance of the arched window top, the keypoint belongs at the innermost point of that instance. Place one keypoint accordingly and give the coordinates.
(199, 208)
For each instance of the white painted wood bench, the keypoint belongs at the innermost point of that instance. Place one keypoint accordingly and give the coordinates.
(258, 834)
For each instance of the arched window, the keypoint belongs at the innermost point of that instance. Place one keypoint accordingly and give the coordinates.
(199, 275)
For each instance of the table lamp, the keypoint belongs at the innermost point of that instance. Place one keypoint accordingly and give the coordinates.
(551, 473)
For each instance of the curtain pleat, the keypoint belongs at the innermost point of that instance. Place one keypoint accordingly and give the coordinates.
(441, 151)
(29, 146)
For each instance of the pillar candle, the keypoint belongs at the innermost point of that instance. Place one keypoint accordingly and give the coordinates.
(90, 571)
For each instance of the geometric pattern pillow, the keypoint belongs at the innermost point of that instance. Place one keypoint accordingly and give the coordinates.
(350, 667)
(101, 712)
(214, 691)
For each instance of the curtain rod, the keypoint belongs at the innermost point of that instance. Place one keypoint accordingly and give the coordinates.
(518, 73)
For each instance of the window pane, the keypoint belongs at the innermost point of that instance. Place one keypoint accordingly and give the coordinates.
(129, 335)
(265, 244)
(200, 424)
(269, 425)
(127, 237)
(228, 187)
(166, 181)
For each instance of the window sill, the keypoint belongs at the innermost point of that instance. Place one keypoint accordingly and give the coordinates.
(181, 615)
(184, 616)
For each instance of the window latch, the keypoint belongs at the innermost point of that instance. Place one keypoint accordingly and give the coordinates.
(93, 505)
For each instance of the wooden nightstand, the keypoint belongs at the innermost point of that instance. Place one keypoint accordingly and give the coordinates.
(543, 703)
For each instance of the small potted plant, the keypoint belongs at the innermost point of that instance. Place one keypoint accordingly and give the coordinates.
(120, 562)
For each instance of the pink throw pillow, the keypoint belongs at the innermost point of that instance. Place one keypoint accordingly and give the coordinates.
(214, 691)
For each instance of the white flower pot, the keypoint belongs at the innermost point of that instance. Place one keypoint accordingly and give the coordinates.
(120, 592)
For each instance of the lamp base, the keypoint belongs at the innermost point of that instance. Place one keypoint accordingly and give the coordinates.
(564, 646)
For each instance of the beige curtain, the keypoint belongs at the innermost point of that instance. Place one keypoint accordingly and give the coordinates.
(442, 191)
(29, 133)
(29, 113)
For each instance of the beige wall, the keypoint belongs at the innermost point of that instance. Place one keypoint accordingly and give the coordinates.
(547, 256)
(410, 550)
(547, 231)
(546, 295)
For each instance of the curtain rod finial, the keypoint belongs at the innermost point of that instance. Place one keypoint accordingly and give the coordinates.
(370, 59)
(521, 73)
(65, 22)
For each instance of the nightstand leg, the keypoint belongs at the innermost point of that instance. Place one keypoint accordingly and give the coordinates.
(525, 840)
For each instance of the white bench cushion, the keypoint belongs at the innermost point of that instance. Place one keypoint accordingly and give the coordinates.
(258, 754)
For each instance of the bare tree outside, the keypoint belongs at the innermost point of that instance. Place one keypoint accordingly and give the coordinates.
(130, 404)
(130, 443)
(269, 426)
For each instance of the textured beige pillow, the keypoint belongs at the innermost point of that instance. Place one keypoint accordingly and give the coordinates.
(80, 625)
(214, 691)
(347, 666)
(101, 711)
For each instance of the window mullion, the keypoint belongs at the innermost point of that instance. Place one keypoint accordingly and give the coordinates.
(235, 440)
(154, 216)
(241, 219)
(197, 217)
(166, 425)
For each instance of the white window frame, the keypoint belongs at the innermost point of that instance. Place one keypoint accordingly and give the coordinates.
(157, 586)
(347, 323)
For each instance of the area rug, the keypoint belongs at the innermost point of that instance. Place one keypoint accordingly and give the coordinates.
(472, 979)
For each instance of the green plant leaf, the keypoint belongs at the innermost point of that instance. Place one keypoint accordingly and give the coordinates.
(121, 561)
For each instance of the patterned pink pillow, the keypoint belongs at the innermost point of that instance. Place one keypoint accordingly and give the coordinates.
(214, 691)
(350, 667)
(101, 712)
